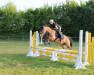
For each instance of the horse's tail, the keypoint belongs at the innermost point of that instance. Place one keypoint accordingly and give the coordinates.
(70, 41)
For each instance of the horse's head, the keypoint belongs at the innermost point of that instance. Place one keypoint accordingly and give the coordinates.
(42, 31)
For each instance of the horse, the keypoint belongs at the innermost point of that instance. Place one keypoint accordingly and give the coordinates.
(52, 37)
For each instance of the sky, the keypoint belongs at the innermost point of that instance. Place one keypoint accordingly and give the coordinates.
(25, 4)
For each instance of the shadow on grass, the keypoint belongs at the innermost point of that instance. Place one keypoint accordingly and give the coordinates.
(33, 62)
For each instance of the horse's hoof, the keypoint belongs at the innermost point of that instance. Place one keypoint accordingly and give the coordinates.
(45, 44)
(49, 43)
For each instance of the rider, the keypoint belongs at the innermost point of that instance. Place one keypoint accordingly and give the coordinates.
(56, 27)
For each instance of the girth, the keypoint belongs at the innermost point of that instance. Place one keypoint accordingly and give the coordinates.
(55, 39)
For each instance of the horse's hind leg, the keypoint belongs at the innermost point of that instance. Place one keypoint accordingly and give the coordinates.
(63, 46)
(68, 45)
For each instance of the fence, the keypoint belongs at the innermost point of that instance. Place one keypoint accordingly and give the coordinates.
(26, 38)
(14, 38)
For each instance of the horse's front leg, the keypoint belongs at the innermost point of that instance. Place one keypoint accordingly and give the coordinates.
(48, 41)
(44, 41)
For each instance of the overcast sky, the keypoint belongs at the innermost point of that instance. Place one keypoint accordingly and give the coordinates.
(25, 4)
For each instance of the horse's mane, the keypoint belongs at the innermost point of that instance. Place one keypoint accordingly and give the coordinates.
(48, 25)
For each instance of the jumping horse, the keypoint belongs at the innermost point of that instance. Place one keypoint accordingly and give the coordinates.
(51, 35)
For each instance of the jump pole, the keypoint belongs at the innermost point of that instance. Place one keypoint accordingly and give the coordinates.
(86, 49)
(92, 54)
(79, 60)
(31, 51)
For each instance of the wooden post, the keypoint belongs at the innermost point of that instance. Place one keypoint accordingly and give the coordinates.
(86, 49)
(79, 59)
(92, 51)
(31, 51)
(89, 46)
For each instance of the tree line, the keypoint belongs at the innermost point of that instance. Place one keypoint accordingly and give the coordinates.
(71, 16)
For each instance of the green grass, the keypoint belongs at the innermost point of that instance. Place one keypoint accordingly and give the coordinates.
(13, 61)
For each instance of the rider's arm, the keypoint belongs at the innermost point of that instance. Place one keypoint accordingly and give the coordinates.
(56, 27)
(60, 28)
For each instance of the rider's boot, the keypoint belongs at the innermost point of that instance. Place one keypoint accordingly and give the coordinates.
(60, 36)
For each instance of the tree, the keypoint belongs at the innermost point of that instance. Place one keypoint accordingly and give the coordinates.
(9, 11)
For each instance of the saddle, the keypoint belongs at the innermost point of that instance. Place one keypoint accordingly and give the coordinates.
(59, 35)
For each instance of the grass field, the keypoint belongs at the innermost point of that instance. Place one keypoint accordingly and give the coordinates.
(13, 61)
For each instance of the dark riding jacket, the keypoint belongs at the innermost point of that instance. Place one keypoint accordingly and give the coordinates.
(53, 26)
